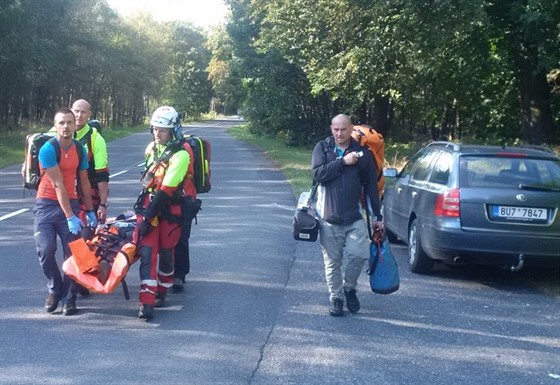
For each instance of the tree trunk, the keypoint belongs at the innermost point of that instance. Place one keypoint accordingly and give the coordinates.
(534, 96)
(383, 114)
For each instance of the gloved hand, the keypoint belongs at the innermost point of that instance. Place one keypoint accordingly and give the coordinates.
(157, 204)
(91, 219)
(74, 225)
(144, 228)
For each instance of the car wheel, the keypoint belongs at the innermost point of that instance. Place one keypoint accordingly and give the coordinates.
(418, 261)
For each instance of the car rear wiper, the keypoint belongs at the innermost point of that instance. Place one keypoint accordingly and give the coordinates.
(536, 187)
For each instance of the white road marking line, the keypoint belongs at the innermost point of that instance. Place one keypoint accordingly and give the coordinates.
(20, 211)
(13, 214)
(118, 173)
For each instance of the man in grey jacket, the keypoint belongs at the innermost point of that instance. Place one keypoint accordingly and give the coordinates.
(345, 173)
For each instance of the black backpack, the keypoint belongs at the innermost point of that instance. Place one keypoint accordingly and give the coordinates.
(31, 170)
(202, 153)
(95, 123)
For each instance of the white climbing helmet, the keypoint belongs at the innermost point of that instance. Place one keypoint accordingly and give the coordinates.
(165, 117)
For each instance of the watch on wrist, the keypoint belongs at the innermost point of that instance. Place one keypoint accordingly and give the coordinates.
(103, 205)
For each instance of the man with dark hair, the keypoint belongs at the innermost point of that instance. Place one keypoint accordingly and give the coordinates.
(57, 207)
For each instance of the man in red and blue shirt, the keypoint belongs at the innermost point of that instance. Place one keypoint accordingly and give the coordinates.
(57, 207)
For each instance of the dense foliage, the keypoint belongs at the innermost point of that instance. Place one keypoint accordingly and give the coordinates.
(477, 70)
(55, 51)
(467, 70)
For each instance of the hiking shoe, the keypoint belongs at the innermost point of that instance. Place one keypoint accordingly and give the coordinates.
(352, 302)
(146, 312)
(336, 309)
(160, 299)
(178, 285)
(51, 303)
(69, 307)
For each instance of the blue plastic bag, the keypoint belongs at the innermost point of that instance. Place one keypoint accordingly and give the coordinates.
(383, 270)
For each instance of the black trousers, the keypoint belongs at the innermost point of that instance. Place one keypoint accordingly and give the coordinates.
(182, 258)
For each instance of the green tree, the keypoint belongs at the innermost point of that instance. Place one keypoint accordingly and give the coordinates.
(411, 68)
(526, 33)
(223, 71)
(187, 84)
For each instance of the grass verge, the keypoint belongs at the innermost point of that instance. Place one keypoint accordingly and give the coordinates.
(13, 142)
(295, 162)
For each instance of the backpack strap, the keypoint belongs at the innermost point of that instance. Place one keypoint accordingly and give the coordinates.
(86, 140)
(169, 151)
(56, 145)
(54, 142)
(325, 144)
(80, 153)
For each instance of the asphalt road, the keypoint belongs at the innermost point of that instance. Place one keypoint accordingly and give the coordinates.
(254, 310)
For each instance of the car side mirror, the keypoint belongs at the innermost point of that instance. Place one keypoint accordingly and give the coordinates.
(390, 172)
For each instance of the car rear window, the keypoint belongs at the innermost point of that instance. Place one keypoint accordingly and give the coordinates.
(506, 172)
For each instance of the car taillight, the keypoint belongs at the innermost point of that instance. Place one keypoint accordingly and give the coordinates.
(447, 204)
(511, 155)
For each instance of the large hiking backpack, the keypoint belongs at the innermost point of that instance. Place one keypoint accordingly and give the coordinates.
(367, 137)
(95, 123)
(201, 162)
(31, 171)
(189, 187)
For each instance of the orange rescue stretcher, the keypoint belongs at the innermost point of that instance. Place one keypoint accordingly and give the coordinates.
(101, 259)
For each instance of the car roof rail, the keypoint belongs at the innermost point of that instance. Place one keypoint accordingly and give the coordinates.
(446, 144)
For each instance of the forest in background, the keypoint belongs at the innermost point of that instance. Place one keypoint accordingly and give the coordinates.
(475, 71)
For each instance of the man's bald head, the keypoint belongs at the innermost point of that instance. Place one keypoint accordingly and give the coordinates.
(82, 109)
(341, 128)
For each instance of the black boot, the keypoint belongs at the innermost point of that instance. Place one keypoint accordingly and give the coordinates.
(160, 299)
(146, 312)
(352, 302)
(69, 307)
(51, 303)
(178, 285)
(336, 309)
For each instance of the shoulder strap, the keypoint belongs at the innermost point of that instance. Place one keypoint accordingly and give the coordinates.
(368, 219)
(56, 147)
(79, 146)
(86, 138)
(325, 144)
(171, 149)
(313, 192)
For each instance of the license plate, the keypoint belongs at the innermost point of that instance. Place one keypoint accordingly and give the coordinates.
(522, 213)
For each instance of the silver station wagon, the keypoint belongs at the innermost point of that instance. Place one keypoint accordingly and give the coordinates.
(462, 204)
